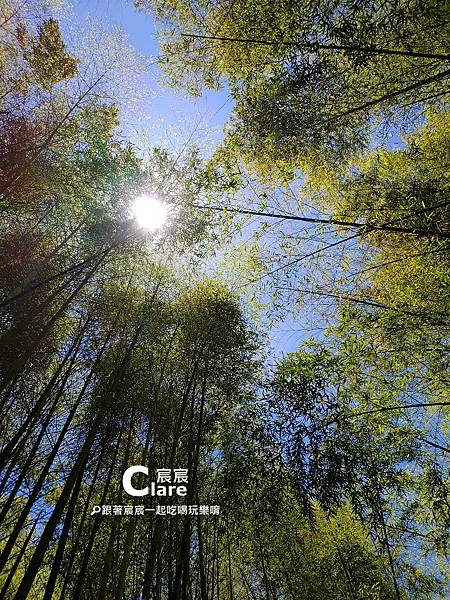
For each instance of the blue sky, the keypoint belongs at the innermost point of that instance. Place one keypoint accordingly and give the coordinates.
(163, 117)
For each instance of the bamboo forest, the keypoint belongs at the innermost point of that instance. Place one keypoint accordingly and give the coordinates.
(224, 299)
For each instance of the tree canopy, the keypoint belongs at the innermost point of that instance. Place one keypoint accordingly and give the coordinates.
(308, 79)
(319, 473)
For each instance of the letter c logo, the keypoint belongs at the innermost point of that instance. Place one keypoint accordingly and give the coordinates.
(126, 480)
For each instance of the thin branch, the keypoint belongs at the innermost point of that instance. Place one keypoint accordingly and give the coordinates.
(370, 303)
(396, 260)
(393, 94)
(434, 445)
(317, 46)
(332, 221)
(304, 257)
(387, 409)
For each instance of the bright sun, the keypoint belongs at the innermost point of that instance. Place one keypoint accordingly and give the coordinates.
(149, 212)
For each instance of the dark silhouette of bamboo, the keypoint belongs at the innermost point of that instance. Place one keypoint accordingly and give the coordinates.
(80, 527)
(81, 578)
(367, 227)
(46, 536)
(46, 469)
(19, 557)
(34, 414)
(56, 562)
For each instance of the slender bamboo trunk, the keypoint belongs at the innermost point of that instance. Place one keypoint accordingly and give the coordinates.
(56, 562)
(81, 579)
(16, 564)
(38, 339)
(109, 554)
(45, 539)
(5, 454)
(201, 561)
(29, 461)
(46, 469)
(230, 577)
(120, 589)
(198, 445)
(151, 560)
(80, 527)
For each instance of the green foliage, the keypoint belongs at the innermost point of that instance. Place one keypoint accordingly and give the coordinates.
(351, 430)
(407, 187)
(299, 103)
(47, 56)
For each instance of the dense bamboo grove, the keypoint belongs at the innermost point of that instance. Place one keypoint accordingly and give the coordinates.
(329, 466)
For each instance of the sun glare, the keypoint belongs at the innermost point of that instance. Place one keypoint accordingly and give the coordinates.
(149, 212)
